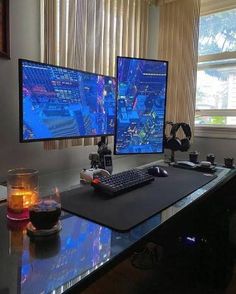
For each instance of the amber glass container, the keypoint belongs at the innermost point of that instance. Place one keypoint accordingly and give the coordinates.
(22, 192)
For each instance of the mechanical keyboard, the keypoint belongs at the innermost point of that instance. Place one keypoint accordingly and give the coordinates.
(122, 182)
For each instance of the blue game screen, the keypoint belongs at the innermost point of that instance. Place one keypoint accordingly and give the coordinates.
(141, 103)
(58, 102)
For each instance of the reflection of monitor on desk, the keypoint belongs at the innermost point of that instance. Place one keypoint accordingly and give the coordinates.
(80, 247)
(141, 105)
(61, 103)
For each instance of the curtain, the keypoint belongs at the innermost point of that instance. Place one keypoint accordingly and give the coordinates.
(89, 34)
(178, 43)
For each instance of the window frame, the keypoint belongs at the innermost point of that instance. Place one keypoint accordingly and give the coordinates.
(216, 131)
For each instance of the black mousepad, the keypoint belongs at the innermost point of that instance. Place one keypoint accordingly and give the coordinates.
(127, 210)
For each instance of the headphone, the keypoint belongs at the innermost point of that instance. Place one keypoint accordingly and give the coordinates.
(165, 136)
(173, 142)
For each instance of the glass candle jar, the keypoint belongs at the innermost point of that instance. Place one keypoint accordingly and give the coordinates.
(22, 192)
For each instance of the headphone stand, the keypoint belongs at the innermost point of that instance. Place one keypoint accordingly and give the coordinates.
(172, 156)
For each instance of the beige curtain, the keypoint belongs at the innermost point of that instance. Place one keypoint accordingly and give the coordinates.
(89, 34)
(178, 43)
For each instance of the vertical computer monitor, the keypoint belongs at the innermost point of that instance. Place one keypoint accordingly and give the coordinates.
(62, 103)
(141, 105)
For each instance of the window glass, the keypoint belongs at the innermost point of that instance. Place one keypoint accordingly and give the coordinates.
(217, 33)
(216, 88)
(215, 120)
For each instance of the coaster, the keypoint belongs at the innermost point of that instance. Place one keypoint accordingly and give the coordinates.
(33, 232)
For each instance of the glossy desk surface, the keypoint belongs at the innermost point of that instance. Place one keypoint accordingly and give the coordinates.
(81, 248)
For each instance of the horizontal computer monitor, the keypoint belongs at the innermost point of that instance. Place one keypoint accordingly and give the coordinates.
(141, 105)
(62, 103)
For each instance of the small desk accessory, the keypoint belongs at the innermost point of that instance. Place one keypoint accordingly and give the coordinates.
(229, 162)
(103, 158)
(87, 175)
(193, 156)
(211, 158)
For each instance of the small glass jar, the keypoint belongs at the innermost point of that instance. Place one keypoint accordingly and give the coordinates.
(22, 192)
(45, 213)
(211, 158)
(229, 162)
(193, 156)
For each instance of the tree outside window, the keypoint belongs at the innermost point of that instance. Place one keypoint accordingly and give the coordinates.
(216, 80)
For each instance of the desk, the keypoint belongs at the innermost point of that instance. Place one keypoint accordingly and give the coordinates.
(81, 251)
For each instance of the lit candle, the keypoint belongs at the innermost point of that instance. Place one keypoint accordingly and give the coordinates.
(22, 193)
(20, 200)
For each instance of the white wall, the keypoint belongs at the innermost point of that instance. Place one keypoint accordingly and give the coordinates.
(221, 148)
(25, 43)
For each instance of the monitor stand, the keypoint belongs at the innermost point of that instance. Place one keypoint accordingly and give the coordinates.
(104, 140)
(170, 159)
(172, 156)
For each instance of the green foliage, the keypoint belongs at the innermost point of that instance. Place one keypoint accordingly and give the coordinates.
(218, 120)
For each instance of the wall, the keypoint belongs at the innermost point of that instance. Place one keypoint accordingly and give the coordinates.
(221, 148)
(25, 43)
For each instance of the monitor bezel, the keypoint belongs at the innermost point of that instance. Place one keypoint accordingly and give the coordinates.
(115, 134)
(20, 72)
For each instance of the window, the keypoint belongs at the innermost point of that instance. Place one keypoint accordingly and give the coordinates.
(216, 77)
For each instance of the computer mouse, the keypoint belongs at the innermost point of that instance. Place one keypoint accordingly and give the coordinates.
(157, 171)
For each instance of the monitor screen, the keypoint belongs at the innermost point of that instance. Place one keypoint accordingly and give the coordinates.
(59, 103)
(141, 104)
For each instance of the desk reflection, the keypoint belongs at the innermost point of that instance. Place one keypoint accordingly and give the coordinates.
(78, 249)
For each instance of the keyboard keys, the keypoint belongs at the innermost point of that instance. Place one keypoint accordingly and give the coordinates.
(122, 182)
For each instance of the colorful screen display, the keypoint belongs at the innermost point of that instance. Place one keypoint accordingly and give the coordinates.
(141, 104)
(57, 102)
